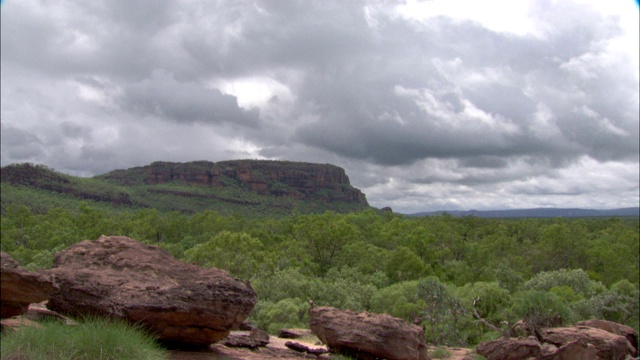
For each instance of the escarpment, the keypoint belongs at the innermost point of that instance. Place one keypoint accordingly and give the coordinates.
(302, 181)
(249, 187)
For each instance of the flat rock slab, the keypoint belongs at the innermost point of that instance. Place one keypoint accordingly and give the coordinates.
(122, 278)
(366, 335)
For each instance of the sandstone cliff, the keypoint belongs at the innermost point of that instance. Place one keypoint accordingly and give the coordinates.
(249, 187)
(302, 181)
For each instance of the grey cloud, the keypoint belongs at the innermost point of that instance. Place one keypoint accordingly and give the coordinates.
(435, 113)
(19, 145)
(349, 112)
(508, 101)
(163, 96)
(485, 161)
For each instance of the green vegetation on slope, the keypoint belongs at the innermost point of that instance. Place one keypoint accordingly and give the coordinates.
(438, 269)
(159, 187)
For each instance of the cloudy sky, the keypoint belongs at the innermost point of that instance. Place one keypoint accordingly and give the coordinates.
(428, 105)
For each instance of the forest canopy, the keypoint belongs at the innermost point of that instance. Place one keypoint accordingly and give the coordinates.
(465, 279)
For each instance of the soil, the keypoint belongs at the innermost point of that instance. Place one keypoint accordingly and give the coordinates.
(455, 353)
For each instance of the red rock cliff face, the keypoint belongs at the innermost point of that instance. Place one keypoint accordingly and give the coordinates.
(323, 182)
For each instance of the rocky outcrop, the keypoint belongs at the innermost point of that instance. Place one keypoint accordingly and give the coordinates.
(297, 180)
(367, 336)
(19, 288)
(574, 350)
(510, 349)
(608, 345)
(301, 348)
(122, 278)
(253, 339)
(627, 331)
(563, 343)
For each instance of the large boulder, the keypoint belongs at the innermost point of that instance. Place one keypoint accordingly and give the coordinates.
(565, 343)
(19, 288)
(608, 345)
(366, 335)
(122, 278)
(575, 350)
(510, 349)
(623, 330)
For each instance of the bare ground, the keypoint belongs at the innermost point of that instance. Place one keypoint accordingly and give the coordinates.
(277, 350)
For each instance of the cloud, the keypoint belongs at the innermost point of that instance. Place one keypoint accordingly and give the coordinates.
(426, 106)
(19, 145)
(162, 96)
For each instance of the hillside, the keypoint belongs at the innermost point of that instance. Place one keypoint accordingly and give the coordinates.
(250, 187)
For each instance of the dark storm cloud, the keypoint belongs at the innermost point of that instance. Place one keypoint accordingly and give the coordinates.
(418, 112)
(19, 145)
(355, 131)
(163, 96)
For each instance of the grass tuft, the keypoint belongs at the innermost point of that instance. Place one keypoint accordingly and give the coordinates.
(440, 353)
(95, 338)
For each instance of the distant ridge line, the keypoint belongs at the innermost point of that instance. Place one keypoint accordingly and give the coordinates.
(537, 213)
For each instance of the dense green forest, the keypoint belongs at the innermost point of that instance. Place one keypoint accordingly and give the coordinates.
(444, 271)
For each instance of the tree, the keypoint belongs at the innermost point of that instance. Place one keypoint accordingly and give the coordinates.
(442, 312)
(560, 247)
(576, 279)
(273, 316)
(324, 236)
(540, 309)
(400, 300)
(489, 300)
(403, 264)
(239, 253)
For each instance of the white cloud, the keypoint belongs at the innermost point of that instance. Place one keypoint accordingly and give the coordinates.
(497, 15)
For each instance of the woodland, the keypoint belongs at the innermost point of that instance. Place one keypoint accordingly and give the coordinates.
(466, 279)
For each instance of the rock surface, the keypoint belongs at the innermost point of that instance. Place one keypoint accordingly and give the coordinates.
(123, 278)
(575, 350)
(627, 331)
(39, 312)
(563, 343)
(19, 288)
(252, 339)
(608, 345)
(366, 335)
(16, 323)
(510, 349)
(298, 347)
(279, 178)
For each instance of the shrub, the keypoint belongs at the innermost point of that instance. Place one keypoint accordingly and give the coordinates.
(540, 309)
(576, 279)
(445, 317)
(285, 313)
(92, 339)
(399, 300)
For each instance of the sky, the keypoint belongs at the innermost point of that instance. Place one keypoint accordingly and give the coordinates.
(427, 105)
